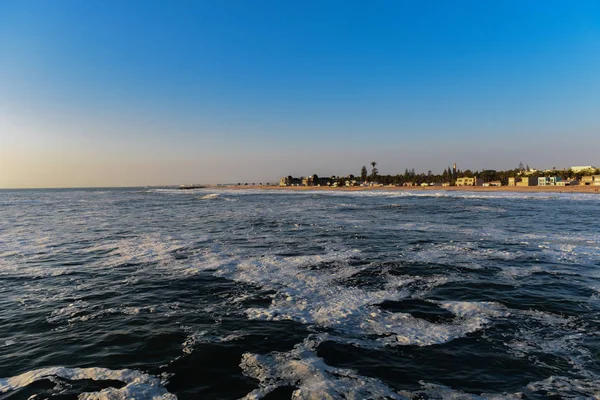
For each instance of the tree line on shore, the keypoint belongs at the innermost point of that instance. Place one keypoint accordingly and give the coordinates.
(449, 175)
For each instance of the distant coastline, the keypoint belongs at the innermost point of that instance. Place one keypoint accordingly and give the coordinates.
(517, 189)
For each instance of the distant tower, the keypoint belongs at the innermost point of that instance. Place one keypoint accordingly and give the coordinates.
(454, 168)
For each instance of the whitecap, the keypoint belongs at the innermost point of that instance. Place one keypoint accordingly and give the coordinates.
(138, 385)
(321, 297)
(434, 392)
(210, 196)
(567, 388)
(468, 309)
(309, 375)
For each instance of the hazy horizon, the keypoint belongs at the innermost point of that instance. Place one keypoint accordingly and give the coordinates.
(107, 94)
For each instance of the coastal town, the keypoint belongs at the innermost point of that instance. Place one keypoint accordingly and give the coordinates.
(587, 175)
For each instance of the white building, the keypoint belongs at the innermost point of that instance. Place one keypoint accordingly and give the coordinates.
(583, 168)
(548, 180)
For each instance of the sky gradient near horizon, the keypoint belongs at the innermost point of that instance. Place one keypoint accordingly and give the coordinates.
(128, 93)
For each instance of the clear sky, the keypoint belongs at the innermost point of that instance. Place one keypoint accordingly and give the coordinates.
(116, 93)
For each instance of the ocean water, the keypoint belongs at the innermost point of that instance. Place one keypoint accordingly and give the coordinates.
(165, 294)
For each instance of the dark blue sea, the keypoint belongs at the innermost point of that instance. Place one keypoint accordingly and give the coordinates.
(223, 294)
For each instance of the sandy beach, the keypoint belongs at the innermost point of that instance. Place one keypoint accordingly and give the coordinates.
(519, 189)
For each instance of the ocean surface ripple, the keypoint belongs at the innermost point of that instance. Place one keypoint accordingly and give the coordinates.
(225, 294)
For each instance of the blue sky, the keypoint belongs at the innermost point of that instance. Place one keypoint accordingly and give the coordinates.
(96, 93)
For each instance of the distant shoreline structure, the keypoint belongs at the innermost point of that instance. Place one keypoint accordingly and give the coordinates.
(453, 176)
(189, 187)
(472, 189)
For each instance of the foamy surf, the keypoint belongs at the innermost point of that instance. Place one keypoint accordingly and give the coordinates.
(310, 377)
(210, 196)
(321, 298)
(137, 385)
(315, 294)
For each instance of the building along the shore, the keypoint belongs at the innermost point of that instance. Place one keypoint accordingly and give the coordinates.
(493, 183)
(548, 180)
(524, 181)
(590, 180)
(469, 181)
(587, 180)
(568, 182)
(290, 181)
(312, 180)
(582, 168)
(527, 181)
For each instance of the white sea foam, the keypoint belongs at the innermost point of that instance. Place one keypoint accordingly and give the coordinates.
(568, 258)
(14, 270)
(68, 312)
(573, 255)
(137, 384)
(210, 196)
(313, 294)
(425, 193)
(511, 272)
(542, 332)
(130, 280)
(404, 329)
(408, 330)
(440, 392)
(191, 341)
(311, 378)
(487, 209)
(467, 309)
(567, 388)
(81, 311)
(464, 254)
(309, 375)
(150, 248)
(27, 258)
(206, 336)
(306, 295)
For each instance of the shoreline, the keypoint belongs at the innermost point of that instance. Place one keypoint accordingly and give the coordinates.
(516, 189)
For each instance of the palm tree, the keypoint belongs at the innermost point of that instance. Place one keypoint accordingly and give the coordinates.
(374, 170)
